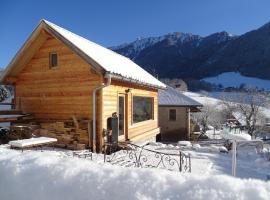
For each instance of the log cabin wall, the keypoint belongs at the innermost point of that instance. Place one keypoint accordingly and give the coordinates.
(134, 131)
(60, 92)
(66, 90)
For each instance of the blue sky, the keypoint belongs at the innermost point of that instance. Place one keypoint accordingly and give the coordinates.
(114, 22)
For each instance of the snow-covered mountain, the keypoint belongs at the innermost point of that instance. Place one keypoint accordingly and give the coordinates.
(188, 56)
(134, 48)
(170, 54)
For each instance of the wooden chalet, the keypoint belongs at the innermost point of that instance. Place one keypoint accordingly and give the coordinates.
(60, 77)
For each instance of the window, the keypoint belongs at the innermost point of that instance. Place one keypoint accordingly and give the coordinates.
(142, 108)
(172, 115)
(53, 60)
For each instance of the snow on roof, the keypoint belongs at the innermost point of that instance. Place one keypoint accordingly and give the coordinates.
(172, 97)
(112, 62)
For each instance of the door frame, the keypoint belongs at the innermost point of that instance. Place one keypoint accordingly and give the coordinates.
(122, 137)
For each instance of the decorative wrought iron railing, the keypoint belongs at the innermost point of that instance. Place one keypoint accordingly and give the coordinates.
(140, 156)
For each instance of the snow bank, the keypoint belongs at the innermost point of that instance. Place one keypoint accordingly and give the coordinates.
(213, 134)
(184, 143)
(50, 175)
(210, 148)
(32, 141)
(196, 146)
(231, 136)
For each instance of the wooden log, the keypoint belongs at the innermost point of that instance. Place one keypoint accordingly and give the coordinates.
(76, 123)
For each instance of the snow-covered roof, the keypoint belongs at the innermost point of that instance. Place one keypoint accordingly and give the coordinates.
(173, 97)
(106, 60)
(120, 67)
(111, 61)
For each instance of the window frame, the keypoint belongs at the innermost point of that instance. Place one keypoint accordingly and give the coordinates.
(169, 115)
(51, 66)
(132, 109)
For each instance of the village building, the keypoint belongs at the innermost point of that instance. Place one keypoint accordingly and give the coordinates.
(174, 115)
(60, 77)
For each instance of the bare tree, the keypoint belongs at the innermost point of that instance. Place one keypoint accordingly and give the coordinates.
(210, 115)
(228, 105)
(248, 109)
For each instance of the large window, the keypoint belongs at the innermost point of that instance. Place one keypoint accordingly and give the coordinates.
(142, 108)
(172, 114)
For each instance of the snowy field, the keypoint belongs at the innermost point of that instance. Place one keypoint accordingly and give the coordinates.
(51, 175)
(233, 79)
(203, 99)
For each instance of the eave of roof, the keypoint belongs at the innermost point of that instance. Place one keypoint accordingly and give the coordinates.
(186, 106)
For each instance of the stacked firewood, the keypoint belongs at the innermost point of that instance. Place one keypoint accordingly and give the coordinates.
(69, 135)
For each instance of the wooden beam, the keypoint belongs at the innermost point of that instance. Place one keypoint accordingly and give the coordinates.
(46, 33)
(10, 112)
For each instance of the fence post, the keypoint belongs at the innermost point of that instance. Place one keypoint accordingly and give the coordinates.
(189, 160)
(180, 163)
(234, 158)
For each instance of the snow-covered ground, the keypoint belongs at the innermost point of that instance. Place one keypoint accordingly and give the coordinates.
(216, 102)
(249, 162)
(55, 174)
(235, 79)
(52, 174)
(208, 160)
(235, 135)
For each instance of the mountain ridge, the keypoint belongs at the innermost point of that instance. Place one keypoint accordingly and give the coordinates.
(190, 56)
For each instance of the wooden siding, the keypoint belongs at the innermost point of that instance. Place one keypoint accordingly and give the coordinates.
(60, 92)
(110, 105)
(173, 131)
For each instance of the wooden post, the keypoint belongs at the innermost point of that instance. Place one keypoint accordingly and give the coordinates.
(188, 123)
(234, 158)
(75, 121)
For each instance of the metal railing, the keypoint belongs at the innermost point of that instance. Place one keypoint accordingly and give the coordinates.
(139, 156)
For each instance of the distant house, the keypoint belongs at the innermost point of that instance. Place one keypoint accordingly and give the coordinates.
(59, 76)
(174, 114)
